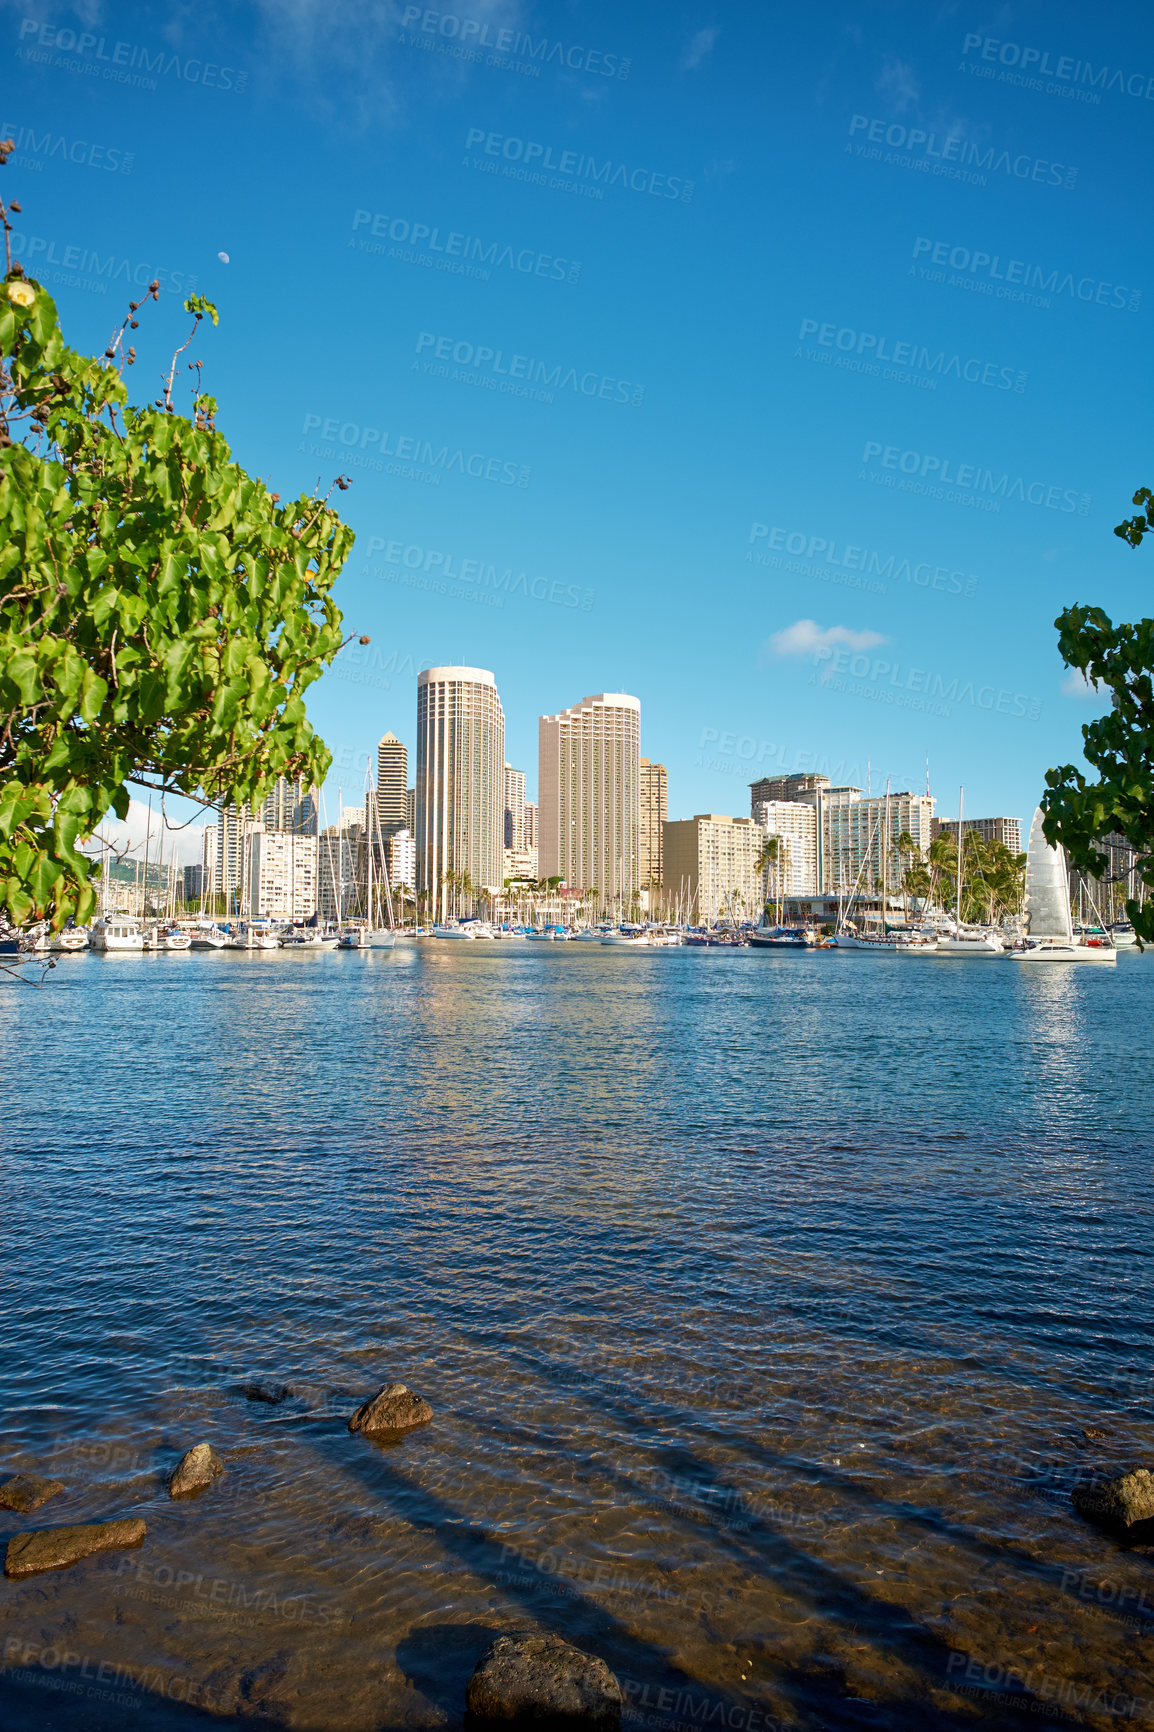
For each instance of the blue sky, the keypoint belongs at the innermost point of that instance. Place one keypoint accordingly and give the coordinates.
(846, 361)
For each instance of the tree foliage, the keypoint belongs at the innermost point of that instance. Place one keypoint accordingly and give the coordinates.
(1119, 660)
(161, 612)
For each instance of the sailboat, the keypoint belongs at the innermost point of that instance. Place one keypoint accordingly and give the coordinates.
(374, 934)
(966, 941)
(1048, 908)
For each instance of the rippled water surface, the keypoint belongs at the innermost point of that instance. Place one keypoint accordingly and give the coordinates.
(765, 1303)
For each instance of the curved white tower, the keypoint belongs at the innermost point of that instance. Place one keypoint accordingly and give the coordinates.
(460, 792)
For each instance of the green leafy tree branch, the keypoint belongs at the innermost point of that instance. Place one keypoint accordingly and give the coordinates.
(1119, 660)
(161, 612)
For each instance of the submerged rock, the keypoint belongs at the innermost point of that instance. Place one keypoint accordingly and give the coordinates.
(27, 1491)
(1118, 1503)
(393, 1408)
(59, 1548)
(196, 1469)
(539, 1678)
(273, 1393)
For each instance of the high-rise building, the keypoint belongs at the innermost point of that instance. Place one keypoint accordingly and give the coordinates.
(1006, 830)
(795, 826)
(784, 788)
(532, 827)
(282, 874)
(654, 812)
(401, 859)
(411, 811)
(291, 807)
(392, 776)
(514, 808)
(520, 864)
(460, 793)
(854, 833)
(710, 865)
(341, 866)
(589, 789)
(209, 861)
(231, 825)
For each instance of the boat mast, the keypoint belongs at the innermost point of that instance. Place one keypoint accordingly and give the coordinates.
(958, 886)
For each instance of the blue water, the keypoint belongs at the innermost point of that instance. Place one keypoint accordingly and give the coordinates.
(764, 1301)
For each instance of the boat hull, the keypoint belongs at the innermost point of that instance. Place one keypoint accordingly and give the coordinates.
(1066, 953)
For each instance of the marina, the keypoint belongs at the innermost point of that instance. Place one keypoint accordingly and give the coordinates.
(640, 1230)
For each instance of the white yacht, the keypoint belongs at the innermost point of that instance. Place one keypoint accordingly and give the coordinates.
(970, 941)
(1122, 933)
(175, 939)
(453, 929)
(208, 938)
(70, 939)
(1048, 919)
(966, 940)
(116, 932)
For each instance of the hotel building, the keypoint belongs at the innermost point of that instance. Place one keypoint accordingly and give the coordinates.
(710, 866)
(654, 812)
(589, 791)
(460, 791)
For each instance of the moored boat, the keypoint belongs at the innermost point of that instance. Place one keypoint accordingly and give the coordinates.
(1049, 924)
(116, 932)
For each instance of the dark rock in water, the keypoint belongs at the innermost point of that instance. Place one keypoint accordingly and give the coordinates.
(393, 1408)
(28, 1491)
(59, 1548)
(1118, 1503)
(273, 1393)
(1093, 1432)
(197, 1468)
(539, 1679)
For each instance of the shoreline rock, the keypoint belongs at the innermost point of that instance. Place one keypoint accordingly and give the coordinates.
(272, 1393)
(540, 1679)
(27, 1492)
(394, 1408)
(196, 1470)
(1125, 1502)
(59, 1548)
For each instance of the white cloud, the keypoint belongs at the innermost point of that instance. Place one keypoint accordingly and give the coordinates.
(698, 47)
(897, 84)
(128, 837)
(1076, 685)
(805, 638)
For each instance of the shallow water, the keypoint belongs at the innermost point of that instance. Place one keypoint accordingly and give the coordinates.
(764, 1301)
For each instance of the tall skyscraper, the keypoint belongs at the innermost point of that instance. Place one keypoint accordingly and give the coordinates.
(290, 808)
(794, 824)
(514, 808)
(460, 794)
(654, 812)
(784, 788)
(392, 789)
(857, 837)
(532, 827)
(589, 788)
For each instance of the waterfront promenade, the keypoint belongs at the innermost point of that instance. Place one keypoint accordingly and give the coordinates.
(770, 1307)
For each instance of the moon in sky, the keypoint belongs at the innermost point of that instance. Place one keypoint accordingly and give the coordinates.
(223, 257)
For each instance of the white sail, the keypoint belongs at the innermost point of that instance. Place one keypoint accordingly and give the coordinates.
(1047, 887)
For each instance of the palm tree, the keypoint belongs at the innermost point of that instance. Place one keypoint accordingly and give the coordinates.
(769, 854)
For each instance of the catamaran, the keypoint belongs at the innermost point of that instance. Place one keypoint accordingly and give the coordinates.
(1048, 918)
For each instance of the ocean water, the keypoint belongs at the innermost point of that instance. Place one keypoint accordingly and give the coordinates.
(770, 1305)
